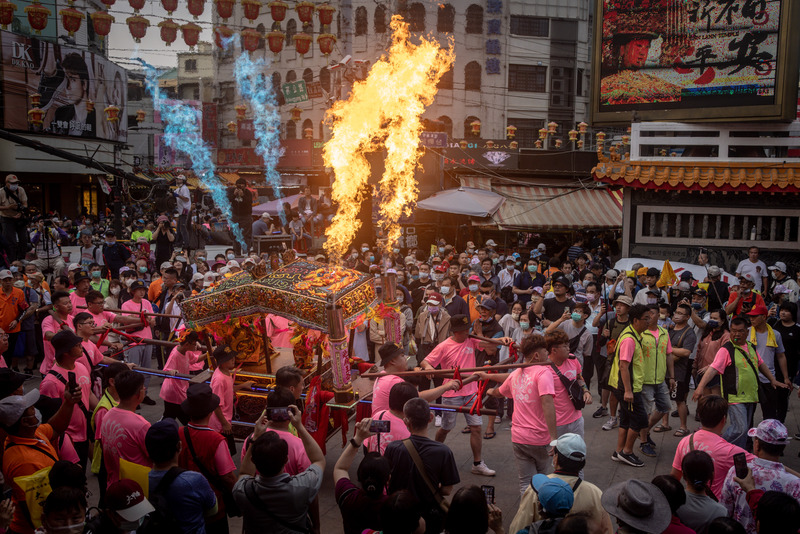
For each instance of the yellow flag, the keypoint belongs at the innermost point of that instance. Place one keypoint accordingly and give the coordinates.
(36, 488)
(135, 472)
(667, 276)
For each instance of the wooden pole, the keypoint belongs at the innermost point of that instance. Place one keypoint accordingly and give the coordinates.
(267, 354)
(146, 314)
(449, 372)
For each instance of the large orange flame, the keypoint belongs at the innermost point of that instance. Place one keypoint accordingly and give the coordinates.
(383, 112)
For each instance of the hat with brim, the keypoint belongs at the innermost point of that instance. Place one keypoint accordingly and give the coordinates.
(80, 276)
(388, 352)
(200, 401)
(640, 505)
(12, 408)
(10, 382)
(223, 353)
(138, 284)
(126, 498)
(758, 309)
(459, 322)
(624, 299)
(64, 340)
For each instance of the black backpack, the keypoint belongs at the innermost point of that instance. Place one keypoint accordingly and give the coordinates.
(162, 520)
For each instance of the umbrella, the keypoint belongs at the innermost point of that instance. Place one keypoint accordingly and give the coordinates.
(273, 207)
(464, 201)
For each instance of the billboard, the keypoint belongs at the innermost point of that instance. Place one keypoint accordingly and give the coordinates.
(75, 87)
(695, 60)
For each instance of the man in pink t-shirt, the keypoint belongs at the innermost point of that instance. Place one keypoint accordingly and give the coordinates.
(713, 413)
(400, 394)
(222, 384)
(458, 351)
(123, 430)
(141, 355)
(173, 390)
(59, 319)
(568, 418)
(82, 286)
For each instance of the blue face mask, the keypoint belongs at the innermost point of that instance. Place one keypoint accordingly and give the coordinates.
(576, 316)
(712, 323)
(231, 256)
(697, 305)
(372, 258)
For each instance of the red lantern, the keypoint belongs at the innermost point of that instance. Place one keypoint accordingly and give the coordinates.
(196, 7)
(71, 19)
(232, 127)
(278, 10)
(191, 34)
(302, 43)
(138, 27)
(463, 144)
(136, 5)
(224, 9)
(295, 111)
(37, 17)
(326, 42)
(140, 114)
(308, 133)
(222, 33)
(475, 126)
(36, 116)
(7, 13)
(514, 145)
(251, 8)
(36, 99)
(169, 5)
(169, 31)
(241, 111)
(101, 22)
(250, 39)
(275, 40)
(108, 3)
(305, 11)
(112, 113)
(325, 14)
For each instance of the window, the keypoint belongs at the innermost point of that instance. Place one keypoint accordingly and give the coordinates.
(561, 86)
(527, 131)
(468, 128)
(446, 18)
(565, 30)
(322, 130)
(416, 17)
(291, 29)
(190, 65)
(579, 88)
(227, 92)
(308, 124)
(261, 41)
(447, 125)
(527, 78)
(291, 130)
(276, 86)
(472, 76)
(291, 76)
(474, 19)
(308, 76)
(361, 21)
(530, 26)
(446, 81)
(380, 20)
(325, 78)
(196, 93)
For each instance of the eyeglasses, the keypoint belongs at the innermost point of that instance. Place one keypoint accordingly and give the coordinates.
(4, 337)
(486, 292)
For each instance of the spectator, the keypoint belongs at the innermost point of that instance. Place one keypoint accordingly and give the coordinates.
(507, 276)
(13, 207)
(739, 381)
(263, 226)
(790, 335)
(754, 267)
(471, 514)
(573, 324)
(64, 510)
(526, 281)
(769, 345)
(745, 299)
(555, 498)
(46, 242)
(360, 506)
(297, 231)
(769, 441)
(164, 238)
(683, 340)
(275, 501)
(713, 411)
(432, 327)
(183, 201)
(12, 307)
(439, 470)
(780, 277)
(553, 308)
(141, 231)
(676, 497)
(89, 252)
(188, 495)
(125, 510)
(307, 208)
(725, 525)
(774, 511)
(451, 300)
(241, 199)
(714, 336)
(658, 366)
(638, 507)
(569, 459)
(400, 514)
(651, 285)
(701, 506)
(718, 292)
(114, 254)
(400, 393)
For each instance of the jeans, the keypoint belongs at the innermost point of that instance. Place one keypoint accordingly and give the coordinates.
(306, 240)
(183, 230)
(740, 419)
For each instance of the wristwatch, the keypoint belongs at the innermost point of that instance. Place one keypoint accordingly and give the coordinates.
(354, 444)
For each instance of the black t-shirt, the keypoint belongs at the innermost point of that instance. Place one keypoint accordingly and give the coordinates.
(439, 463)
(790, 336)
(718, 295)
(552, 309)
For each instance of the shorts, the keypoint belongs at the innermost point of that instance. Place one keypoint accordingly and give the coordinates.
(656, 396)
(632, 415)
(683, 375)
(607, 374)
(449, 418)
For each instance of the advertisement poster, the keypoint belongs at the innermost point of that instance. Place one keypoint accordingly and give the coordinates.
(75, 87)
(691, 58)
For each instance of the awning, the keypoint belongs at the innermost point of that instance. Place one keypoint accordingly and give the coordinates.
(229, 177)
(552, 208)
(463, 201)
(273, 207)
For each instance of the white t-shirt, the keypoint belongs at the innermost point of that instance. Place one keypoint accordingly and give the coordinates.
(182, 205)
(757, 269)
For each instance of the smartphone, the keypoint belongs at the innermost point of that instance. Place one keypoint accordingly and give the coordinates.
(73, 384)
(488, 491)
(567, 310)
(378, 426)
(7, 493)
(740, 464)
(279, 414)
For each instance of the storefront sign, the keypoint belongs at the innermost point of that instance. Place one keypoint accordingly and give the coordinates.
(210, 128)
(245, 130)
(295, 92)
(238, 157)
(481, 153)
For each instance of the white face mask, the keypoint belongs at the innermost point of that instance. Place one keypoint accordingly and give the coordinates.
(515, 316)
(115, 291)
(129, 282)
(444, 290)
(13, 187)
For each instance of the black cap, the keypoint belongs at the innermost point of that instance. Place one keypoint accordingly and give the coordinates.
(223, 353)
(64, 340)
(200, 401)
(111, 233)
(652, 271)
(138, 284)
(10, 382)
(388, 352)
(686, 275)
(459, 322)
(563, 280)
(162, 435)
(81, 275)
(700, 292)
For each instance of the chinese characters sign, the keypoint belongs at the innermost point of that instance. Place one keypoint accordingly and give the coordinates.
(694, 59)
(295, 92)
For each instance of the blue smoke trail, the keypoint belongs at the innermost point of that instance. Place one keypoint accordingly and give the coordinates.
(256, 88)
(183, 132)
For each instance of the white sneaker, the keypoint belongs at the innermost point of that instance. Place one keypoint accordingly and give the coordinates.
(612, 423)
(498, 419)
(437, 421)
(482, 469)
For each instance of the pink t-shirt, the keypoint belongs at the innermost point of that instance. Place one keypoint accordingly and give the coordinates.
(196, 360)
(397, 431)
(720, 451)
(123, 434)
(78, 303)
(94, 355)
(565, 410)
(222, 386)
(526, 386)
(52, 387)
(279, 331)
(626, 349)
(50, 325)
(67, 450)
(99, 415)
(381, 390)
(298, 458)
(174, 389)
(145, 306)
(723, 359)
(450, 354)
(102, 318)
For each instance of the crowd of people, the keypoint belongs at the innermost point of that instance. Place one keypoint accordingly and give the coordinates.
(647, 344)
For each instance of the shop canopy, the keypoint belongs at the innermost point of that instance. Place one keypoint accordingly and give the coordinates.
(273, 207)
(463, 201)
(542, 207)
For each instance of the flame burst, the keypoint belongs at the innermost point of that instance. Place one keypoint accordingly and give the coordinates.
(383, 112)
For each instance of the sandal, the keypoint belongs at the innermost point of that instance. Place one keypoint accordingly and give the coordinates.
(682, 432)
(489, 435)
(466, 430)
(661, 428)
